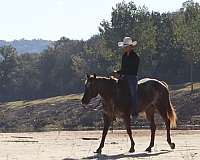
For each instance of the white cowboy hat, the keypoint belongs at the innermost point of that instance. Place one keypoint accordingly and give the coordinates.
(127, 41)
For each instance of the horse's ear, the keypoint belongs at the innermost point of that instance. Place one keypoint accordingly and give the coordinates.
(88, 76)
(95, 75)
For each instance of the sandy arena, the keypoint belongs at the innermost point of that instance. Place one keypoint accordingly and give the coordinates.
(70, 145)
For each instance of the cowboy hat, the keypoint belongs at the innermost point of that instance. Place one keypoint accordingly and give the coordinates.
(127, 41)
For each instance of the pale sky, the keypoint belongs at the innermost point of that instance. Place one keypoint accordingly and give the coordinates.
(74, 19)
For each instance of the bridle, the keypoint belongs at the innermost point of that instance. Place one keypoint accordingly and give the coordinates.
(95, 106)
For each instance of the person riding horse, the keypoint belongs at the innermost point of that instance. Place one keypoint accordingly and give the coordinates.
(153, 96)
(129, 70)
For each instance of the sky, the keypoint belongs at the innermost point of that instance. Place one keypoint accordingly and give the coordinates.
(74, 19)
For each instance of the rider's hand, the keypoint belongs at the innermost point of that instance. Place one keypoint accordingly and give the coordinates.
(115, 74)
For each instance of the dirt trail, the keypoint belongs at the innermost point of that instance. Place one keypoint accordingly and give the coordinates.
(69, 145)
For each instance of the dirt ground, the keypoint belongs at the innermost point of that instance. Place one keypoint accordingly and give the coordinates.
(70, 145)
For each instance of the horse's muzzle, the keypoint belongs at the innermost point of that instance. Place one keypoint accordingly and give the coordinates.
(84, 106)
(84, 103)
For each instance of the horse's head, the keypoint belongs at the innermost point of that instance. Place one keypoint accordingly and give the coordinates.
(90, 89)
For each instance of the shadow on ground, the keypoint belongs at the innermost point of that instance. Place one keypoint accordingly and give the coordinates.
(128, 155)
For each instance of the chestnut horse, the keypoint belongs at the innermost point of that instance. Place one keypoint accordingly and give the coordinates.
(153, 95)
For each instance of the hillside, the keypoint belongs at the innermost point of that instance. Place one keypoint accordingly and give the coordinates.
(66, 112)
(44, 114)
(187, 104)
(27, 46)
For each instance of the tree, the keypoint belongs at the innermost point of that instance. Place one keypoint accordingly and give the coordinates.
(8, 71)
(188, 33)
(28, 76)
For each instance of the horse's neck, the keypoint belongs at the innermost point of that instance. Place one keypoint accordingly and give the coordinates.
(105, 89)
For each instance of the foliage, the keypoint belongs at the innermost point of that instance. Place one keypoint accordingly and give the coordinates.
(168, 45)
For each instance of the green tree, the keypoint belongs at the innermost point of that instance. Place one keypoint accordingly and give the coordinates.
(28, 76)
(188, 33)
(8, 71)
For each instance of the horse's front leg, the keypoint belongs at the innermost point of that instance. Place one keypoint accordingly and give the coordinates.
(127, 121)
(107, 122)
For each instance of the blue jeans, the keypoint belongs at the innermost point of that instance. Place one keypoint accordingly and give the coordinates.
(132, 83)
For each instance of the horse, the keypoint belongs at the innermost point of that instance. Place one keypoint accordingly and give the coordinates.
(153, 96)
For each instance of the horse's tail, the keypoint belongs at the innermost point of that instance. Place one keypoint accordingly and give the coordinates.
(171, 114)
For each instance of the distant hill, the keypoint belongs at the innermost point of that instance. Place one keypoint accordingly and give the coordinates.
(27, 46)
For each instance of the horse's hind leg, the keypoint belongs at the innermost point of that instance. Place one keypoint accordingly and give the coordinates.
(167, 123)
(127, 121)
(150, 117)
(107, 122)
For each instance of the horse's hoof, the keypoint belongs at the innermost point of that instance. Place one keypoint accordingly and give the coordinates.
(131, 150)
(98, 151)
(172, 145)
(148, 149)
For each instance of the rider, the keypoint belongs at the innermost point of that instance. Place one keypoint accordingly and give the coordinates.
(129, 69)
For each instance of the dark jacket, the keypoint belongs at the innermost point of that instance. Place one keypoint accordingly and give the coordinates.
(130, 64)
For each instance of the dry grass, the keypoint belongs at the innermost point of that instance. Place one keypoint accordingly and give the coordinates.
(66, 112)
(62, 99)
(185, 87)
(48, 101)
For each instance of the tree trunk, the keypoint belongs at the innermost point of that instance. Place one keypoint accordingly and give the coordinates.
(191, 75)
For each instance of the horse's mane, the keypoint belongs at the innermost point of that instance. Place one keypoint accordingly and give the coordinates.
(112, 79)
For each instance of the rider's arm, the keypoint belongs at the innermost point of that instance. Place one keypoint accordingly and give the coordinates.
(121, 71)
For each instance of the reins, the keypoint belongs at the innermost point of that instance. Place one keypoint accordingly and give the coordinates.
(95, 106)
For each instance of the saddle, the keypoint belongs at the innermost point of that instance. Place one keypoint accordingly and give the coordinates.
(122, 90)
